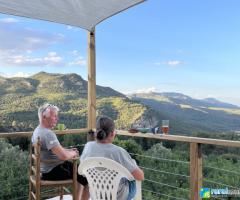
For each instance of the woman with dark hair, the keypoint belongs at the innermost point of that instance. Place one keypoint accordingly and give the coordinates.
(103, 147)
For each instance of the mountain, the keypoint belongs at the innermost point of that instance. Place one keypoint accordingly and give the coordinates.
(207, 115)
(216, 103)
(43, 82)
(21, 97)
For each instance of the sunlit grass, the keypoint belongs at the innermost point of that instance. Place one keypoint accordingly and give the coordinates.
(226, 110)
(185, 106)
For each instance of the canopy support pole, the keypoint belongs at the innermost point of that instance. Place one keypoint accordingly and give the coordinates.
(91, 82)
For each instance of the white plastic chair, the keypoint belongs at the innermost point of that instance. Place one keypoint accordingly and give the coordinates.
(104, 176)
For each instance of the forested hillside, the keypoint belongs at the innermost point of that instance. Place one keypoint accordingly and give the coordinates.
(208, 115)
(21, 97)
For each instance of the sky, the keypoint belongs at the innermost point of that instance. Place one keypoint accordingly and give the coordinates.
(191, 47)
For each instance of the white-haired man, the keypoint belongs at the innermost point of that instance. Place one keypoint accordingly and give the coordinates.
(51, 149)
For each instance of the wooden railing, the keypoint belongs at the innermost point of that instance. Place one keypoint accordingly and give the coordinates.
(29, 134)
(195, 155)
(195, 150)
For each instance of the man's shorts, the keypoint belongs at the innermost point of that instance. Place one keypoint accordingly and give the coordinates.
(63, 171)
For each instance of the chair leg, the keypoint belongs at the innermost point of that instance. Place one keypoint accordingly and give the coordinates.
(30, 190)
(37, 193)
(61, 192)
(74, 191)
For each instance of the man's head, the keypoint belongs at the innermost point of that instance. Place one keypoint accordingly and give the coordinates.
(48, 115)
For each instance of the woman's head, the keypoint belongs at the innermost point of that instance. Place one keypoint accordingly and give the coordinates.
(104, 127)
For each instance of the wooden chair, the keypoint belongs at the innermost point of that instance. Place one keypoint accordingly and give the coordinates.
(36, 184)
(104, 176)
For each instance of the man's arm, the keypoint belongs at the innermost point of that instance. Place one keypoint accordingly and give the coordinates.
(64, 154)
(138, 174)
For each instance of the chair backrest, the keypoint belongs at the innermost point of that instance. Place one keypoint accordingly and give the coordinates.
(35, 182)
(35, 151)
(103, 177)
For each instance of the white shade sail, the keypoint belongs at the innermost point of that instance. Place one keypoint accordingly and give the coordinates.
(81, 13)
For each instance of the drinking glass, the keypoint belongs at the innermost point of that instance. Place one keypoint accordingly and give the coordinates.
(165, 126)
(61, 127)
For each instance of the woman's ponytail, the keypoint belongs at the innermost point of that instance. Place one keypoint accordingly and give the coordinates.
(101, 134)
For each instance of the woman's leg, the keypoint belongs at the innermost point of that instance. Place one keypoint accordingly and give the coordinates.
(83, 192)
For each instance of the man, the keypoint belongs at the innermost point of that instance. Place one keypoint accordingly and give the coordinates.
(51, 149)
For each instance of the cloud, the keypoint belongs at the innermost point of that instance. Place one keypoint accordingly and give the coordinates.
(51, 59)
(9, 20)
(146, 90)
(174, 62)
(18, 39)
(18, 43)
(18, 74)
(170, 63)
(60, 36)
(79, 61)
(69, 27)
(74, 53)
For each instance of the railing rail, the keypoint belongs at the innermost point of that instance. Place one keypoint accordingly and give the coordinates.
(29, 134)
(187, 139)
(176, 138)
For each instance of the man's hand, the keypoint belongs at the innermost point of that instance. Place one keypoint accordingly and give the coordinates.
(76, 152)
(65, 154)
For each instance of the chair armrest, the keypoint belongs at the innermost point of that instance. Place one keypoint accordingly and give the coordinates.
(74, 159)
(48, 161)
(53, 161)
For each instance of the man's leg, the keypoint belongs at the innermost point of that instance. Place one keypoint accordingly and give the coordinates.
(59, 172)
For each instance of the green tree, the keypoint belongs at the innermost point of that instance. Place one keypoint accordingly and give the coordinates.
(14, 123)
(13, 172)
(163, 174)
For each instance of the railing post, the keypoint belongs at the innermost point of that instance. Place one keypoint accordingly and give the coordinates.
(195, 170)
(38, 150)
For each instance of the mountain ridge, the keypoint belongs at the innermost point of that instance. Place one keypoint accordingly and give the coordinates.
(21, 97)
(56, 82)
(180, 96)
(204, 114)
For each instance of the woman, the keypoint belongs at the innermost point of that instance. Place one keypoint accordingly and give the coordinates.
(103, 147)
